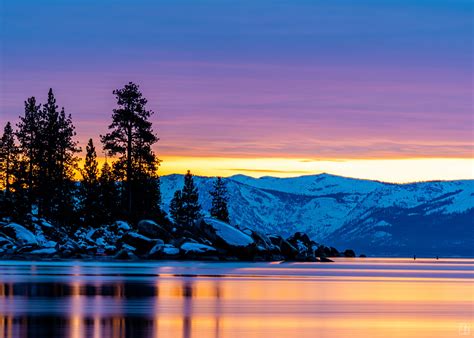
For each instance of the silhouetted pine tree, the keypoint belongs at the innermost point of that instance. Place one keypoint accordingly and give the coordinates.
(176, 208)
(190, 199)
(8, 161)
(219, 207)
(146, 186)
(132, 137)
(90, 190)
(56, 173)
(8, 157)
(20, 208)
(108, 195)
(31, 146)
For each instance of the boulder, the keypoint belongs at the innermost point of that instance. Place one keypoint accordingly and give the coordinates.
(264, 241)
(177, 242)
(93, 234)
(304, 246)
(19, 234)
(275, 239)
(5, 240)
(67, 247)
(287, 250)
(45, 231)
(197, 249)
(333, 252)
(155, 252)
(128, 248)
(124, 254)
(49, 244)
(122, 226)
(227, 237)
(152, 229)
(44, 252)
(27, 248)
(142, 243)
(170, 251)
(324, 251)
(349, 253)
(300, 240)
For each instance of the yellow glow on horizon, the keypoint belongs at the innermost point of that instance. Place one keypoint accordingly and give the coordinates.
(387, 170)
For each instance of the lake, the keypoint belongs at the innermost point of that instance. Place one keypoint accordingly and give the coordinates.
(360, 297)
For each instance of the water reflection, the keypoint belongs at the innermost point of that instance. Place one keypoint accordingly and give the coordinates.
(87, 301)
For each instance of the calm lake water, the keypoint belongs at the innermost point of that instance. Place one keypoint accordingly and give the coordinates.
(349, 298)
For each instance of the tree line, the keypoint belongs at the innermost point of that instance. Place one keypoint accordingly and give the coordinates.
(39, 159)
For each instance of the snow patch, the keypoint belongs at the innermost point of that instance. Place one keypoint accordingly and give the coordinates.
(20, 234)
(190, 247)
(229, 234)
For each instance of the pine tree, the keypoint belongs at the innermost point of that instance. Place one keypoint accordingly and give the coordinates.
(219, 207)
(190, 199)
(108, 195)
(31, 146)
(132, 138)
(8, 157)
(8, 160)
(56, 173)
(90, 189)
(176, 208)
(20, 207)
(148, 187)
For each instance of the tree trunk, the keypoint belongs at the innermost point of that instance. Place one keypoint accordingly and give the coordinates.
(129, 169)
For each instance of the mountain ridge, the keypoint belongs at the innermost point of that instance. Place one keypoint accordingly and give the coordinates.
(349, 212)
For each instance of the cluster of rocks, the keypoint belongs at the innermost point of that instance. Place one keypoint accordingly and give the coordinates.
(208, 239)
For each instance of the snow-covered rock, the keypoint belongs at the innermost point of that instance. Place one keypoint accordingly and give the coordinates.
(170, 250)
(196, 248)
(129, 248)
(142, 243)
(152, 229)
(123, 226)
(125, 254)
(161, 250)
(226, 233)
(5, 240)
(67, 247)
(49, 244)
(44, 251)
(19, 234)
(157, 248)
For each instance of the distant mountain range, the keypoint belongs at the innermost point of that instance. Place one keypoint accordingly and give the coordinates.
(427, 218)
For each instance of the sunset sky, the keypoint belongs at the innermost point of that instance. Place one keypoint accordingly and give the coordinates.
(372, 89)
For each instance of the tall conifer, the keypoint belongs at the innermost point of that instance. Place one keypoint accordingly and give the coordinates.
(131, 137)
(190, 198)
(59, 162)
(108, 195)
(90, 207)
(219, 207)
(176, 208)
(31, 145)
(8, 157)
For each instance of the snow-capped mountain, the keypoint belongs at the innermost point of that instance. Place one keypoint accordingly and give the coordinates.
(426, 218)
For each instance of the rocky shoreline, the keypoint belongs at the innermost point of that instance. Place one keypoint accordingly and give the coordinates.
(208, 239)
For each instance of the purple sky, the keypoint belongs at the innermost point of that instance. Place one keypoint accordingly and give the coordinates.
(296, 79)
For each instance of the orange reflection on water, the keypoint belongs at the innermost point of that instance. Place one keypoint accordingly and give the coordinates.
(276, 305)
(76, 311)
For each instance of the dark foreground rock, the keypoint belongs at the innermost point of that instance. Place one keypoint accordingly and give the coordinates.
(208, 239)
(152, 229)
